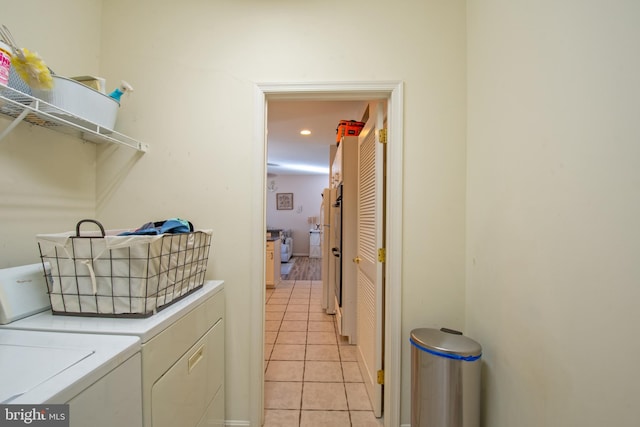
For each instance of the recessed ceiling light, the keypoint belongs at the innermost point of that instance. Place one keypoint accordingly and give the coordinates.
(305, 132)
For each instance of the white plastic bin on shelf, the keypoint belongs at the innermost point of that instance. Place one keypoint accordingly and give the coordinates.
(86, 105)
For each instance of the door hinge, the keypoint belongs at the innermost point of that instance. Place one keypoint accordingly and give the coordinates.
(382, 255)
(382, 136)
(381, 377)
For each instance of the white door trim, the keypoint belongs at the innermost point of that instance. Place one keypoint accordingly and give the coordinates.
(393, 91)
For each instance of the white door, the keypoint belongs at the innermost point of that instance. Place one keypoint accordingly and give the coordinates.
(370, 254)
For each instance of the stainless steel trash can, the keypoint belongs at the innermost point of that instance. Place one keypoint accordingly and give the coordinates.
(445, 379)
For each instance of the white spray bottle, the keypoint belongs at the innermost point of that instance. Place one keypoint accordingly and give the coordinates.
(119, 91)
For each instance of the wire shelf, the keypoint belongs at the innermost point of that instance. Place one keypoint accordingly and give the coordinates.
(23, 107)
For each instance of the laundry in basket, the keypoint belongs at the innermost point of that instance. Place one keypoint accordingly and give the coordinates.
(101, 273)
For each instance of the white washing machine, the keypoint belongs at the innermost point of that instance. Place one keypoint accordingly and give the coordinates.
(182, 354)
(96, 375)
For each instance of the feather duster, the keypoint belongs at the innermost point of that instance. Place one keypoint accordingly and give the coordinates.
(32, 69)
(29, 66)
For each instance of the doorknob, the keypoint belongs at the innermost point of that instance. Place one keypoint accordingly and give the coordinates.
(357, 260)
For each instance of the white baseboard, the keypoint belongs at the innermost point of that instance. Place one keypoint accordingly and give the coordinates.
(238, 423)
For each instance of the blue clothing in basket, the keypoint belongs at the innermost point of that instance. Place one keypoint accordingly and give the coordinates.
(173, 226)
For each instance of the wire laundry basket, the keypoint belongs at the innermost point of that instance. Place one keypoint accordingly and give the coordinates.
(107, 275)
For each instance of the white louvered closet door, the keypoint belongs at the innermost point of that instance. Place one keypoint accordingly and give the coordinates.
(370, 278)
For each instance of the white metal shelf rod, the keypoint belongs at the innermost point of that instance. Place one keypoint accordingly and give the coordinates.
(14, 123)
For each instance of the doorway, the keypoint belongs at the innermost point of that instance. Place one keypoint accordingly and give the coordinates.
(393, 92)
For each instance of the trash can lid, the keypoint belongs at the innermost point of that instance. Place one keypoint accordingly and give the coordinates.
(446, 343)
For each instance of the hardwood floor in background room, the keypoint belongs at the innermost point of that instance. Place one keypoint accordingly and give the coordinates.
(305, 268)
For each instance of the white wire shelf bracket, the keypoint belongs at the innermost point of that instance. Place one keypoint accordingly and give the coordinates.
(23, 107)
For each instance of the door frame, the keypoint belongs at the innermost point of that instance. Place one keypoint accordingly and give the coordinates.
(330, 91)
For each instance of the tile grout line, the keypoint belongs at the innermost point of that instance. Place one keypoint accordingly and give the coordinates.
(336, 342)
(304, 365)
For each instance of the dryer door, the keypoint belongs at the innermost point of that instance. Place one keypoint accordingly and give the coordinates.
(183, 394)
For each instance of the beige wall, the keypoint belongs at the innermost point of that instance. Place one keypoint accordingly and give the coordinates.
(47, 179)
(195, 64)
(551, 168)
(553, 208)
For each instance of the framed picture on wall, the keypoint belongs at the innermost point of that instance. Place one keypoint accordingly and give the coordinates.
(284, 201)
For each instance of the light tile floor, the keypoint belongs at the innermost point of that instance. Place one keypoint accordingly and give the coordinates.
(311, 374)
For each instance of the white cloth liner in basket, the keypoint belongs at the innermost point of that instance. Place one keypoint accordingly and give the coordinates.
(120, 275)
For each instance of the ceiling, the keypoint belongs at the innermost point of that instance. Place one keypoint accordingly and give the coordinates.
(288, 152)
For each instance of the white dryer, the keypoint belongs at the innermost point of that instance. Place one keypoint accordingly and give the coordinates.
(182, 355)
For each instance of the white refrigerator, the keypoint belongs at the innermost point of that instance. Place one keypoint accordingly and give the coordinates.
(328, 264)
